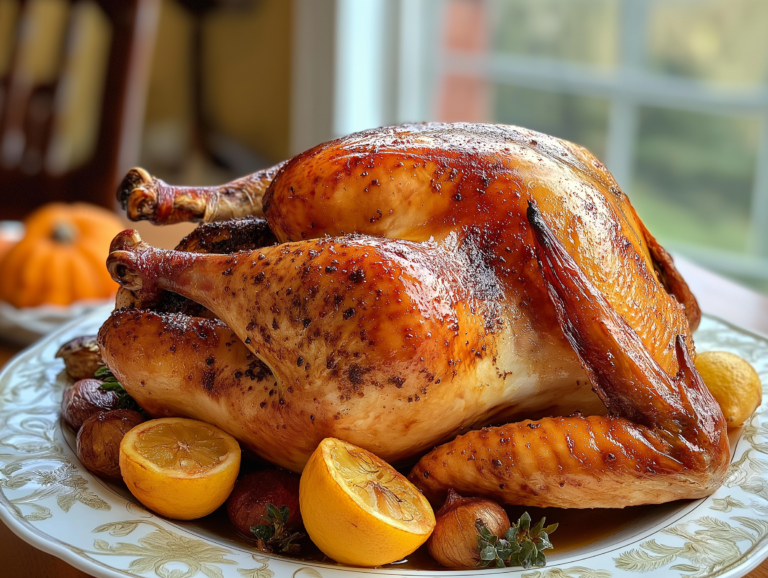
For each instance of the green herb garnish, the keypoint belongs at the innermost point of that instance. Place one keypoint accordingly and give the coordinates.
(109, 383)
(103, 372)
(521, 546)
(272, 536)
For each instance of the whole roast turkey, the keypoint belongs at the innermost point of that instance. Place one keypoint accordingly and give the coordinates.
(408, 284)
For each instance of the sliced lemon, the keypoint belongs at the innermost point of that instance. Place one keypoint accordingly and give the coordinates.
(358, 509)
(733, 382)
(180, 468)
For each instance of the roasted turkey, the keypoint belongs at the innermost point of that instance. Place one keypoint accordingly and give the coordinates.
(417, 282)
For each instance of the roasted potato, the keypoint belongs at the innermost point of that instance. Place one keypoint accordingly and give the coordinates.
(248, 501)
(84, 399)
(98, 441)
(82, 356)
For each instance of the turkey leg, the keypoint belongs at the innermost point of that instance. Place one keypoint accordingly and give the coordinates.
(145, 197)
(224, 237)
(356, 306)
(177, 365)
(383, 343)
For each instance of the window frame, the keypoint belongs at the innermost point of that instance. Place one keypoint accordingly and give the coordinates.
(389, 77)
(628, 88)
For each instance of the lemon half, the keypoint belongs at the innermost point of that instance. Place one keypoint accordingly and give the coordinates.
(733, 382)
(358, 509)
(180, 468)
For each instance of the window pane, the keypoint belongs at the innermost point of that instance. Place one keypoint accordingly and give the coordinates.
(724, 41)
(694, 175)
(579, 119)
(685, 154)
(574, 30)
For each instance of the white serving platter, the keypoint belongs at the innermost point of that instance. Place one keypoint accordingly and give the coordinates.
(50, 500)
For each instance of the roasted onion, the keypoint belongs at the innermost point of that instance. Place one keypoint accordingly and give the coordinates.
(454, 541)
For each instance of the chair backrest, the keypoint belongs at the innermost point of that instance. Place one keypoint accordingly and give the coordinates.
(73, 79)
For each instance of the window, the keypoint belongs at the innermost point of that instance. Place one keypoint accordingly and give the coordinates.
(671, 94)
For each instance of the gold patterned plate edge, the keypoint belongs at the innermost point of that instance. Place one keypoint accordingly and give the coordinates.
(704, 540)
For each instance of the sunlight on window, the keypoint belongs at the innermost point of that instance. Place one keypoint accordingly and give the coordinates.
(581, 31)
(580, 119)
(724, 41)
(671, 94)
(694, 176)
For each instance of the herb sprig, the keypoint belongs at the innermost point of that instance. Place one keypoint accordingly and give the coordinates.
(273, 536)
(110, 383)
(521, 545)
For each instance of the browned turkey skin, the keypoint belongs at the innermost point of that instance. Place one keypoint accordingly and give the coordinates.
(399, 344)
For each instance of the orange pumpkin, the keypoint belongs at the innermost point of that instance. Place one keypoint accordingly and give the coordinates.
(61, 258)
(6, 244)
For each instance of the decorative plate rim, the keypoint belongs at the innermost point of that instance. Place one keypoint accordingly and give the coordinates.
(632, 552)
(25, 530)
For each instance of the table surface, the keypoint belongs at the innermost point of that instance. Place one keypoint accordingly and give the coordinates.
(716, 295)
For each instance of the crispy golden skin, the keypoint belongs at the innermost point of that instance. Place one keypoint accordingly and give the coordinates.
(198, 368)
(472, 183)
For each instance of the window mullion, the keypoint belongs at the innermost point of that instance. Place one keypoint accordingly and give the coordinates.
(620, 144)
(312, 73)
(623, 119)
(410, 54)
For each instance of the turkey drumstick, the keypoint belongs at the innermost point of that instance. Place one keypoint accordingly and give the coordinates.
(665, 438)
(178, 365)
(145, 197)
(219, 237)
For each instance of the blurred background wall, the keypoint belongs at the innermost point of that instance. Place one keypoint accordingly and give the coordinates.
(671, 94)
(244, 60)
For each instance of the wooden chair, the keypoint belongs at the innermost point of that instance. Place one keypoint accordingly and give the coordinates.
(42, 104)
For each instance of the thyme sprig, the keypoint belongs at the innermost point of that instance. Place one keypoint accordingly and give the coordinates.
(522, 545)
(110, 383)
(273, 536)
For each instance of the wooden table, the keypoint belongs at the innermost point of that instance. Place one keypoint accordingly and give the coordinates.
(717, 296)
